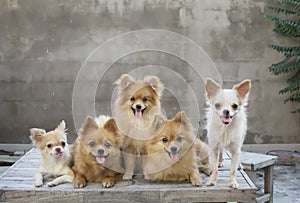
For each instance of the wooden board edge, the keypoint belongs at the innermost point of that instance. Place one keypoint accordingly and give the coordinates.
(249, 181)
(17, 162)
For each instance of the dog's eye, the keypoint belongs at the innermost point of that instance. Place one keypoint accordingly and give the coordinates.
(107, 144)
(145, 99)
(49, 145)
(63, 143)
(179, 138)
(217, 105)
(234, 106)
(92, 144)
(165, 139)
(132, 99)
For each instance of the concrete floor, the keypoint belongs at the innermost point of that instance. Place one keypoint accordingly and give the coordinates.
(286, 182)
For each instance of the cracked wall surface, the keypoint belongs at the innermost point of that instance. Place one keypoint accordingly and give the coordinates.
(43, 45)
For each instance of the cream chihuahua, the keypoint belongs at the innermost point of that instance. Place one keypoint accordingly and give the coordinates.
(226, 125)
(55, 155)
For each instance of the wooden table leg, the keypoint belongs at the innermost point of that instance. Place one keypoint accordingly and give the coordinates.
(252, 175)
(268, 185)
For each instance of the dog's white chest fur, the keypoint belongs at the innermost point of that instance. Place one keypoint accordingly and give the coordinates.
(55, 165)
(222, 135)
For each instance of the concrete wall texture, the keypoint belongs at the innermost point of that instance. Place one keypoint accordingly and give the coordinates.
(44, 44)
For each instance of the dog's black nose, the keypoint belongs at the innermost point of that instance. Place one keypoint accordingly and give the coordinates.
(226, 112)
(100, 151)
(173, 149)
(57, 149)
(138, 106)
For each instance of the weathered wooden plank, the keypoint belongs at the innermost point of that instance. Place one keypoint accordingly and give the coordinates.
(268, 183)
(25, 157)
(15, 147)
(17, 185)
(254, 161)
(8, 159)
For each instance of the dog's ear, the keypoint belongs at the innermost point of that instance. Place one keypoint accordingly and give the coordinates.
(155, 83)
(212, 88)
(158, 122)
(124, 81)
(36, 135)
(243, 89)
(181, 117)
(111, 126)
(88, 125)
(61, 127)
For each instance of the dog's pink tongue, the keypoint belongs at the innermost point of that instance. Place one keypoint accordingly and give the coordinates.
(174, 156)
(138, 113)
(100, 159)
(226, 119)
(59, 154)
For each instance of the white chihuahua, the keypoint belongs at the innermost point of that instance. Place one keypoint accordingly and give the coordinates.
(55, 153)
(226, 125)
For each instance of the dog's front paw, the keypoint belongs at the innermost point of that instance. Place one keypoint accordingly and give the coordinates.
(211, 183)
(79, 182)
(38, 183)
(127, 177)
(52, 184)
(108, 182)
(196, 182)
(233, 184)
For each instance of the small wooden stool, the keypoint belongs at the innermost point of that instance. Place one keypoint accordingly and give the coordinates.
(252, 162)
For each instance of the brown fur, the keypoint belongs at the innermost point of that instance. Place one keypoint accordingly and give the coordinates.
(202, 154)
(175, 133)
(86, 168)
(136, 130)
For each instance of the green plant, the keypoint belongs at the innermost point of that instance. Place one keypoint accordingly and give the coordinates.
(286, 17)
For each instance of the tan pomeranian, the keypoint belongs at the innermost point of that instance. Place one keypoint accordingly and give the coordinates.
(55, 155)
(96, 153)
(137, 103)
(171, 155)
(226, 125)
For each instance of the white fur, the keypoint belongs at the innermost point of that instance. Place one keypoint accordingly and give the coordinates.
(101, 120)
(229, 136)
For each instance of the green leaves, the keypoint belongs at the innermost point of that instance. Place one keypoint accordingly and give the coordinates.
(280, 10)
(287, 65)
(287, 23)
(285, 26)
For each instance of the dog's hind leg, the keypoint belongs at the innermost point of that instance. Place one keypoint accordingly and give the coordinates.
(221, 159)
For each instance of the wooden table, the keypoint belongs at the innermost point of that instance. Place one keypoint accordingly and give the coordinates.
(252, 162)
(17, 185)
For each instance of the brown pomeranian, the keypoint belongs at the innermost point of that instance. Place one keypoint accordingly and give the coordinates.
(137, 104)
(171, 155)
(96, 153)
(56, 157)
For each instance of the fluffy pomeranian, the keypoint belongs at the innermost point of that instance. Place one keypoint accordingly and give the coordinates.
(171, 154)
(137, 103)
(55, 155)
(96, 153)
(226, 125)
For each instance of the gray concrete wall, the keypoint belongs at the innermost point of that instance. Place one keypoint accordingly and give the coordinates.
(43, 45)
